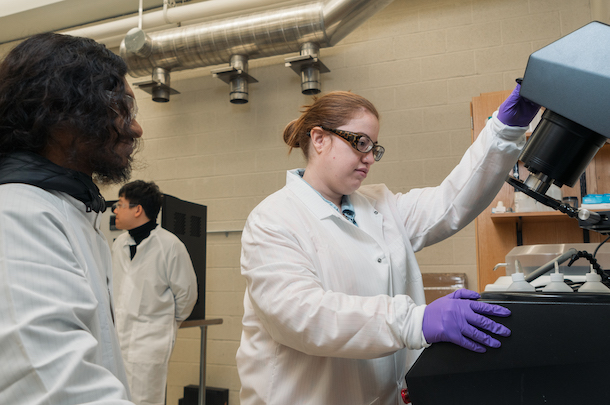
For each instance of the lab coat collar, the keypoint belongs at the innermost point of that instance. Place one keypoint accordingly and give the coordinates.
(93, 217)
(370, 221)
(316, 204)
(320, 208)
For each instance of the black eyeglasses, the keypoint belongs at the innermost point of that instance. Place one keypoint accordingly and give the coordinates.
(360, 142)
(132, 106)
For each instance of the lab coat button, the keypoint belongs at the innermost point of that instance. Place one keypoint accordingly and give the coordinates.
(379, 260)
(376, 212)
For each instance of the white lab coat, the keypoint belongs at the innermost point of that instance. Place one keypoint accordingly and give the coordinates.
(154, 293)
(333, 312)
(57, 340)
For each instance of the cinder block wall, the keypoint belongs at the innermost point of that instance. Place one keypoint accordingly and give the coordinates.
(419, 61)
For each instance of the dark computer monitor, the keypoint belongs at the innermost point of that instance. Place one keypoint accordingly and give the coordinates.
(188, 221)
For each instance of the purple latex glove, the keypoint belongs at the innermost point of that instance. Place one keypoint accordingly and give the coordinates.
(517, 111)
(455, 318)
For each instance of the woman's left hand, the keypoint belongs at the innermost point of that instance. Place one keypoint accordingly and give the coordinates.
(517, 111)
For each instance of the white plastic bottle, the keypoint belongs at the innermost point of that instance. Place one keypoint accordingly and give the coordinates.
(557, 284)
(519, 283)
(594, 283)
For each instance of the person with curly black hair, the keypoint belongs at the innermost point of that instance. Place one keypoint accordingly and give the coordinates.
(67, 117)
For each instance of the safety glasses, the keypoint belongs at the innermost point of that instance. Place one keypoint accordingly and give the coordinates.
(119, 205)
(360, 142)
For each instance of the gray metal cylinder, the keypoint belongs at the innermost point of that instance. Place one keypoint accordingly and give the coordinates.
(539, 182)
(310, 80)
(239, 62)
(238, 90)
(310, 48)
(239, 85)
(310, 74)
(161, 91)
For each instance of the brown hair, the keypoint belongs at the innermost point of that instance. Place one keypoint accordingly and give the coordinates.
(331, 110)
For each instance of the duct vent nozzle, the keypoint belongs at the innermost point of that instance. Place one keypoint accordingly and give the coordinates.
(237, 77)
(158, 86)
(309, 67)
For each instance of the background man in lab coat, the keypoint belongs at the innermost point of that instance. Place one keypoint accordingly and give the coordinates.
(155, 289)
(67, 116)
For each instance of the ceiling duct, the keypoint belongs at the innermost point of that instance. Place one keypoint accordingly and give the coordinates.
(302, 28)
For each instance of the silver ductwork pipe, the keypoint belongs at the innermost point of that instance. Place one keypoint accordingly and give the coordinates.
(285, 30)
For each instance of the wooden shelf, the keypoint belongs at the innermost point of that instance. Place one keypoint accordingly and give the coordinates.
(539, 216)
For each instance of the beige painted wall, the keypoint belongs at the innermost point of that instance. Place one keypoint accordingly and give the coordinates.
(419, 61)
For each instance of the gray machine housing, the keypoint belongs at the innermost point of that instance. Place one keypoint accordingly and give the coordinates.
(571, 77)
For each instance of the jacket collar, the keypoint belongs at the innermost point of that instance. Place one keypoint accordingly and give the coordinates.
(369, 220)
(33, 169)
(315, 203)
(320, 208)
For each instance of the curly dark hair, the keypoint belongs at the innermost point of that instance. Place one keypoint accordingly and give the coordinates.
(146, 194)
(52, 82)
